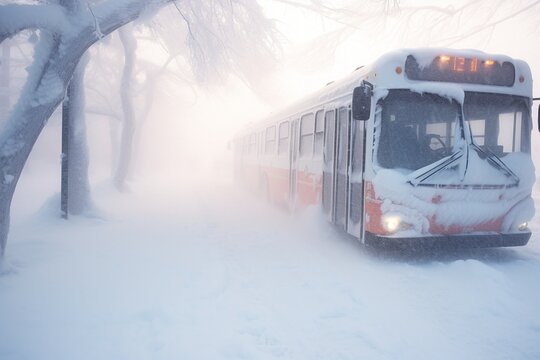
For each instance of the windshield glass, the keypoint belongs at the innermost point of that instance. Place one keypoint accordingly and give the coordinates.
(500, 124)
(415, 129)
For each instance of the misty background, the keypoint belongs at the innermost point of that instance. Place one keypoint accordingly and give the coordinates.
(179, 263)
(184, 124)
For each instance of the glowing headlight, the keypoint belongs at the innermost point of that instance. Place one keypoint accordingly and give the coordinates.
(391, 223)
(523, 226)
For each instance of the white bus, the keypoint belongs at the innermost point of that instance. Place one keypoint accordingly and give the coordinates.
(424, 147)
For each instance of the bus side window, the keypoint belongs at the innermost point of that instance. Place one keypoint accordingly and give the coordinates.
(270, 140)
(319, 134)
(252, 147)
(329, 148)
(260, 143)
(306, 135)
(245, 146)
(283, 142)
(343, 114)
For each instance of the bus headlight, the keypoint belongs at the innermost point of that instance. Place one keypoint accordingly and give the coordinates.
(393, 223)
(523, 226)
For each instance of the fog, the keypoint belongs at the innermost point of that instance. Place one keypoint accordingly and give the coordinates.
(191, 123)
(185, 264)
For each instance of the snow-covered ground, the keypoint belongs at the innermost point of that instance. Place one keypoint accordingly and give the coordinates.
(196, 270)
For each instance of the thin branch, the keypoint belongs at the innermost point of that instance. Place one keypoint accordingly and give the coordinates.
(99, 34)
(186, 20)
(191, 34)
(490, 24)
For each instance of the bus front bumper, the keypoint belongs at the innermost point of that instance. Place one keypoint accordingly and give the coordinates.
(447, 241)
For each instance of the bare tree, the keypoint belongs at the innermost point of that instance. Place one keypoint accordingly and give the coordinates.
(68, 28)
(78, 184)
(105, 87)
(5, 77)
(434, 24)
(66, 33)
(15, 56)
(126, 94)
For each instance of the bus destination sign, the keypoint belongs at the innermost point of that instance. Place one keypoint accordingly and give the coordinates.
(461, 69)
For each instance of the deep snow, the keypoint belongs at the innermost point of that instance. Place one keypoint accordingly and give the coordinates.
(191, 271)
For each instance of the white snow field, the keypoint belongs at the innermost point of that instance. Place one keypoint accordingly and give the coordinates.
(200, 271)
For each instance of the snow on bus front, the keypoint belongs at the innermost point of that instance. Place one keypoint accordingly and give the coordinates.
(450, 163)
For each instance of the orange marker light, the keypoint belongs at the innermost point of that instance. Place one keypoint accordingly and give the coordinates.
(489, 62)
(444, 58)
(521, 79)
(398, 70)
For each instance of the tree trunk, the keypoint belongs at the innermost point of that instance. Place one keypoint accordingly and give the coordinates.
(128, 122)
(5, 80)
(79, 198)
(43, 92)
(24, 125)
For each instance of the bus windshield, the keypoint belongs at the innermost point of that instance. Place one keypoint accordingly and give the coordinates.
(500, 124)
(416, 129)
(419, 129)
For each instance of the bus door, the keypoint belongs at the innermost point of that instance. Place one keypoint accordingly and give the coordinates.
(293, 163)
(356, 178)
(329, 165)
(342, 167)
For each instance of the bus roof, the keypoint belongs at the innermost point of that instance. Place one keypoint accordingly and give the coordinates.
(389, 72)
(463, 69)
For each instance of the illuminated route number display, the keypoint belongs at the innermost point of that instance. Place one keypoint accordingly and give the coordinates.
(462, 70)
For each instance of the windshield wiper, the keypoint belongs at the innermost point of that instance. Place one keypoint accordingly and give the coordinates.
(497, 163)
(421, 175)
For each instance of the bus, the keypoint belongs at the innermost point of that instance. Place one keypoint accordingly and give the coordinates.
(423, 148)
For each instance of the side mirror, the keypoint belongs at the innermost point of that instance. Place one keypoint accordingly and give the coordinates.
(361, 103)
(538, 117)
(538, 122)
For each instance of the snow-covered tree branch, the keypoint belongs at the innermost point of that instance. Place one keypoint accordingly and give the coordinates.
(15, 18)
(68, 28)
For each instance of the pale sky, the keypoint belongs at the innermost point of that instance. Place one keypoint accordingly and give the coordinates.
(188, 130)
(310, 58)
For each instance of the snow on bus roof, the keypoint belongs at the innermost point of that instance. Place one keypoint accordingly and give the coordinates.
(449, 91)
(335, 92)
